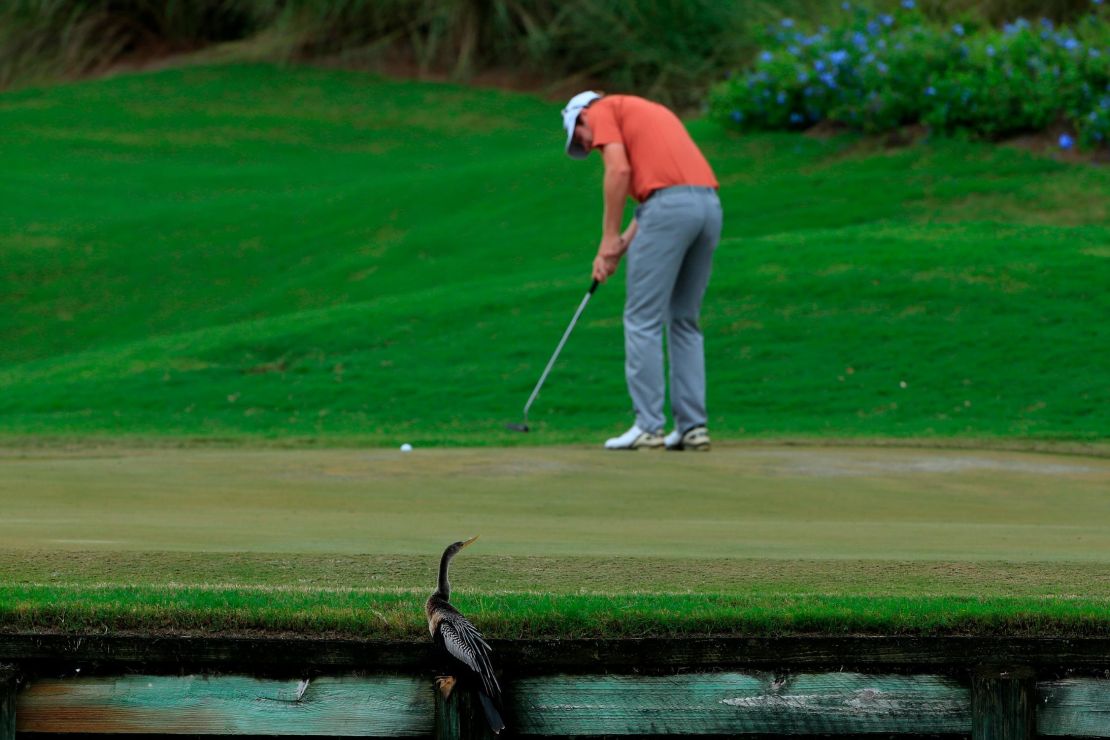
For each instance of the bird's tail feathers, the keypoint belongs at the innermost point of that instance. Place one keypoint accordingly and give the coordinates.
(493, 717)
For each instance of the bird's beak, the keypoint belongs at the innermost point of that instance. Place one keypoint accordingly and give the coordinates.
(470, 541)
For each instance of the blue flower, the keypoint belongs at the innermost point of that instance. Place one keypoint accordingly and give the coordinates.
(803, 78)
(819, 65)
(930, 90)
(795, 51)
(888, 20)
(908, 4)
(787, 22)
(990, 51)
(845, 6)
(766, 56)
(1071, 44)
(859, 40)
(781, 98)
(1066, 142)
(838, 56)
(796, 118)
(958, 29)
(737, 116)
(829, 79)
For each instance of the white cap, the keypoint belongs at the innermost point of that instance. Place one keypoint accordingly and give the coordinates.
(577, 104)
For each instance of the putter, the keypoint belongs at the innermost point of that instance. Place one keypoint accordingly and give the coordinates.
(523, 427)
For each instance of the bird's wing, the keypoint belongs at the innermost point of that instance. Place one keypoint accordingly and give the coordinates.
(464, 642)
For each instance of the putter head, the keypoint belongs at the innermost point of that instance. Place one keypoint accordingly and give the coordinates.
(517, 427)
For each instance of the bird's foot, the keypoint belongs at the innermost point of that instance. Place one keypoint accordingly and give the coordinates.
(445, 684)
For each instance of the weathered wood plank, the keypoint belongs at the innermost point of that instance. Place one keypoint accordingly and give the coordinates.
(280, 657)
(735, 703)
(1074, 706)
(1002, 704)
(228, 705)
(7, 702)
(855, 653)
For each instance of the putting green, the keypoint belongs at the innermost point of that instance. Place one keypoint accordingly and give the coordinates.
(736, 502)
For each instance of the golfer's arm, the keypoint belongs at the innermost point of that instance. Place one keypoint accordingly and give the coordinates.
(618, 177)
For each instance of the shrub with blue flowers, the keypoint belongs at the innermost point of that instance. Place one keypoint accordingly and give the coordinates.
(878, 72)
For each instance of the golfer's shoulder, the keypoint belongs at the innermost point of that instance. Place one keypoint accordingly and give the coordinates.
(626, 102)
(635, 107)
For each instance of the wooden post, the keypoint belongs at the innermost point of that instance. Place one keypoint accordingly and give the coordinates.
(7, 702)
(446, 717)
(1003, 704)
(460, 717)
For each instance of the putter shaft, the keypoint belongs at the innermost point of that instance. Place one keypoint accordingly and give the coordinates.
(558, 349)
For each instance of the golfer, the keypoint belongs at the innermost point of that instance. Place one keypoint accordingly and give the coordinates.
(670, 242)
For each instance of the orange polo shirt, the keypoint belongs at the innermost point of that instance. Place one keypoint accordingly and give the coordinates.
(660, 150)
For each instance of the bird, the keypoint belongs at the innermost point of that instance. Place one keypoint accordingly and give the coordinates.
(461, 645)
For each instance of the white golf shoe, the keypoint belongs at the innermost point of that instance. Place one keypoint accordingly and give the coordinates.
(695, 438)
(636, 439)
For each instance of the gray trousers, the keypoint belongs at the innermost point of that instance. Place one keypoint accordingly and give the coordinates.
(668, 266)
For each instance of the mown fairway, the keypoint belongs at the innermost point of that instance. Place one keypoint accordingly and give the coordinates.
(573, 541)
(255, 252)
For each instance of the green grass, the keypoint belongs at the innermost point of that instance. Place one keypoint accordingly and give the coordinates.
(573, 543)
(387, 615)
(254, 253)
(248, 255)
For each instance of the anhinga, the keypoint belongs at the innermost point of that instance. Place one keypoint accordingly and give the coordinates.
(462, 645)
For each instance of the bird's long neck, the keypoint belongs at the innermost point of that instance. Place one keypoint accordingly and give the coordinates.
(444, 589)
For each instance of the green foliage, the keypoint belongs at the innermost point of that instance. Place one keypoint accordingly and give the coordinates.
(997, 12)
(876, 72)
(669, 49)
(273, 253)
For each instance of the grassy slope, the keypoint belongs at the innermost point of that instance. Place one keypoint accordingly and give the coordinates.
(263, 252)
(574, 542)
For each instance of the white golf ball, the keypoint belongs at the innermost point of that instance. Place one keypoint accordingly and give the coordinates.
(406, 447)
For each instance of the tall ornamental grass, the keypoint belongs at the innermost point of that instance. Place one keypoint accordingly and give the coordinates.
(669, 49)
(41, 40)
(874, 72)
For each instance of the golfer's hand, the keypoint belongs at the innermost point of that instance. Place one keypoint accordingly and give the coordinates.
(609, 254)
(604, 267)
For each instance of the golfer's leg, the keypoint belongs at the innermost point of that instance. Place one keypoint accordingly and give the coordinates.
(685, 343)
(653, 262)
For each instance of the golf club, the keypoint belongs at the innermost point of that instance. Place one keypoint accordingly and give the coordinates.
(523, 427)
